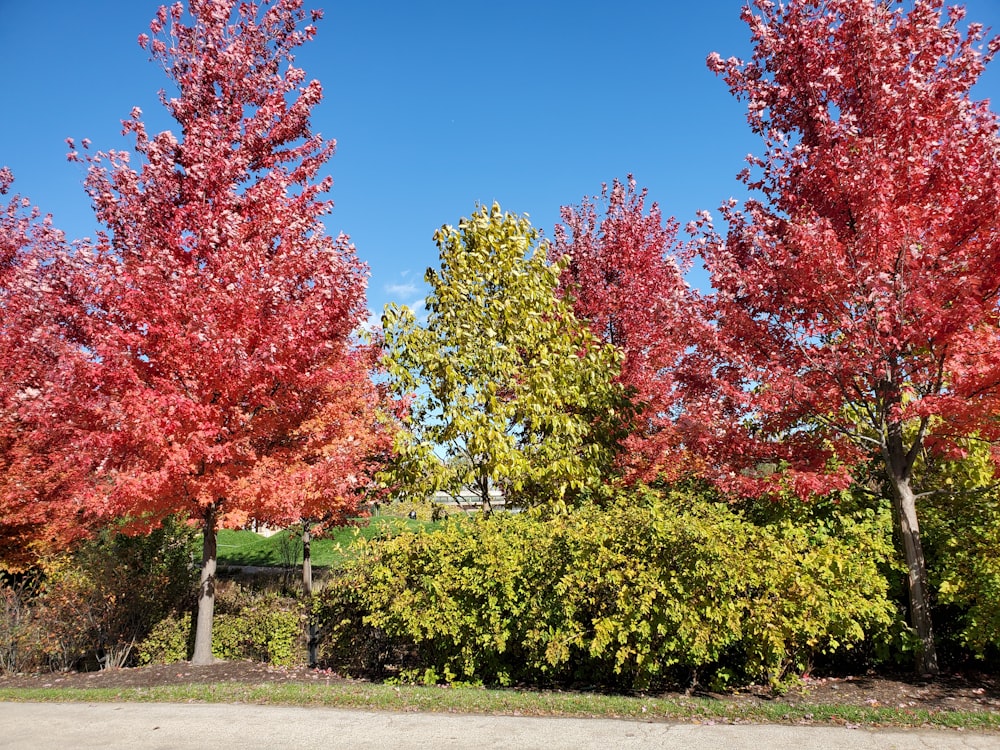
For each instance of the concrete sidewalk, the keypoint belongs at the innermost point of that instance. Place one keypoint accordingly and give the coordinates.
(40, 726)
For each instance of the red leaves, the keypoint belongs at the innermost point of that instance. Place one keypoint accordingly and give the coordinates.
(849, 294)
(626, 279)
(41, 473)
(222, 313)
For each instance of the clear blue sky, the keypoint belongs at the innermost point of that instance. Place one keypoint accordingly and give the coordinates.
(435, 106)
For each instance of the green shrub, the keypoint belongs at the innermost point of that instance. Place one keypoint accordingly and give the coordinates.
(260, 627)
(345, 639)
(167, 642)
(269, 634)
(653, 590)
(964, 562)
(139, 580)
(960, 530)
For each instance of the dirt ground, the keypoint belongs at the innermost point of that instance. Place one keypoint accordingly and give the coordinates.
(955, 692)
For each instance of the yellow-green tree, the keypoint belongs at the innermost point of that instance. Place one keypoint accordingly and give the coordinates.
(509, 388)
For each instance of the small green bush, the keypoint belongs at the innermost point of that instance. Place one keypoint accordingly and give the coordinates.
(167, 642)
(963, 549)
(260, 627)
(268, 634)
(960, 532)
(657, 589)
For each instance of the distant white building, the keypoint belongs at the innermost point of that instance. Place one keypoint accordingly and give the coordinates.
(468, 500)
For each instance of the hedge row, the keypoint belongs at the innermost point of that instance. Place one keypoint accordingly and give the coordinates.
(656, 590)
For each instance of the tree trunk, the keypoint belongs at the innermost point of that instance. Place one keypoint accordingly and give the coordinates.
(916, 566)
(206, 591)
(483, 488)
(307, 570)
(312, 636)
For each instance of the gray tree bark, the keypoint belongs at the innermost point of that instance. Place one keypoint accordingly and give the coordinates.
(307, 570)
(916, 573)
(312, 633)
(206, 590)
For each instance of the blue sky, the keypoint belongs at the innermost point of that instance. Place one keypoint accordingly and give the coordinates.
(435, 106)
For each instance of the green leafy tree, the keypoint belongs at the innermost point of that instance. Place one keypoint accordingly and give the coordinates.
(509, 389)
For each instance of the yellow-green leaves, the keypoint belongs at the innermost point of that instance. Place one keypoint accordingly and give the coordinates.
(511, 390)
(646, 592)
(961, 522)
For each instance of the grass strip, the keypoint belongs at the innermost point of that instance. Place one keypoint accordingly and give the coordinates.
(284, 549)
(381, 697)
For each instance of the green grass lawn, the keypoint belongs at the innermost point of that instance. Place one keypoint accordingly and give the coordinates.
(247, 548)
(375, 696)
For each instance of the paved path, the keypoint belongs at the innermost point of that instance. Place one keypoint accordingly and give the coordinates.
(166, 726)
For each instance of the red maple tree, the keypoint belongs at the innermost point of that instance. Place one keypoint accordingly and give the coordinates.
(857, 297)
(223, 313)
(626, 278)
(40, 350)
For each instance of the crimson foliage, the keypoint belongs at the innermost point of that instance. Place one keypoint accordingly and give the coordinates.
(221, 312)
(857, 294)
